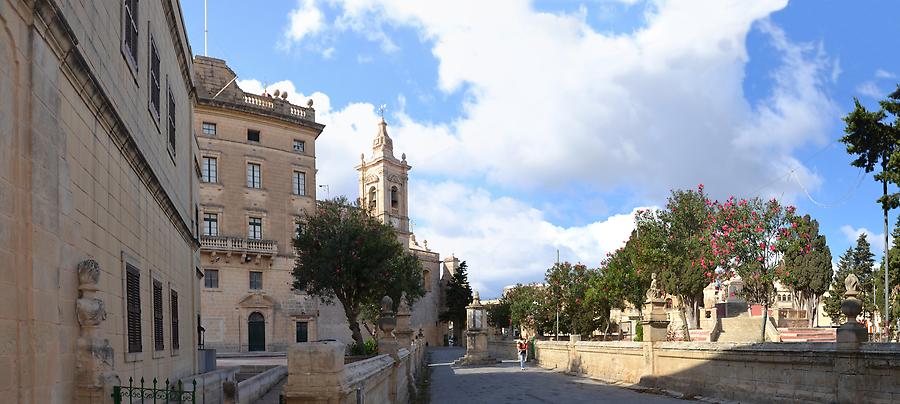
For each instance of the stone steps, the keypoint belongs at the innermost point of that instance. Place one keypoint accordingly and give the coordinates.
(808, 334)
(740, 329)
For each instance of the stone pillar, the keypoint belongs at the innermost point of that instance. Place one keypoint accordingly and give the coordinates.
(315, 373)
(403, 332)
(94, 356)
(476, 336)
(387, 342)
(655, 321)
(851, 333)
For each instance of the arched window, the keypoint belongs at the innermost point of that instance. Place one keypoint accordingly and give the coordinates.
(395, 198)
(372, 199)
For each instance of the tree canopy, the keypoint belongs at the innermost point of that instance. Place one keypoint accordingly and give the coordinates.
(457, 296)
(345, 254)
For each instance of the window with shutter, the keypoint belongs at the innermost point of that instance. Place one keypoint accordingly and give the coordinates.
(130, 32)
(171, 113)
(174, 303)
(133, 303)
(158, 343)
(154, 79)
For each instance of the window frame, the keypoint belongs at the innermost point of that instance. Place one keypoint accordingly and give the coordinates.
(155, 109)
(207, 278)
(134, 344)
(171, 120)
(301, 143)
(298, 189)
(297, 330)
(207, 224)
(250, 228)
(203, 127)
(257, 133)
(254, 180)
(260, 280)
(130, 48)
(209, 173)
(173, 319)
(159, 336)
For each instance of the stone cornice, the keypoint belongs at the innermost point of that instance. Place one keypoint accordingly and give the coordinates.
(52, 25)
(182, 46)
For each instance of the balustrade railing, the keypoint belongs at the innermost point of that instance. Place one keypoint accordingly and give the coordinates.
(279, 105)
(238, 244)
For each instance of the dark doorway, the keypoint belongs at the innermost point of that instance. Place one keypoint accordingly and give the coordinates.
(256, 332)
(302, 331)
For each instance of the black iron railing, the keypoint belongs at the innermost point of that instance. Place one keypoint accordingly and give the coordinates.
(170, 392)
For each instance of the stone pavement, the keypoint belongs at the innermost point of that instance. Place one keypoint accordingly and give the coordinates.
(505, 383)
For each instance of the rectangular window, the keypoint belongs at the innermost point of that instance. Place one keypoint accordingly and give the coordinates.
(253, 176)
(209, 172)
(211, 279)
(171, 120)
(299, 146)
(253, 135)
(157, 316)
(302, 331)
(133, 303)
(154, 79)
(299, 183)
(130, 31)
(209, 128)
(173, 296)
(255, 280)
(211, 224)
(254, 231)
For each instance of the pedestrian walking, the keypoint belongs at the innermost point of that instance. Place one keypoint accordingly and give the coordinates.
(522, 346)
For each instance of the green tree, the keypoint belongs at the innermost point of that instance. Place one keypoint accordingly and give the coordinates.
(345, 254)
(807, 268)
(458, 295)
(567, 287)
(836, 292)
(876, 142)
(864, 268)
(498, 314)
(528, 307)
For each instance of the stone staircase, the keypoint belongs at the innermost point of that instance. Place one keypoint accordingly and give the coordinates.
(808, 334)
(742, 328)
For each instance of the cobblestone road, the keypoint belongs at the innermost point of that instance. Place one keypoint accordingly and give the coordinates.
(505, 383)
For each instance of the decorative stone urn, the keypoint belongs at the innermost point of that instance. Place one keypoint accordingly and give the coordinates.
(851, 332)
(476, 335)
(655, 322)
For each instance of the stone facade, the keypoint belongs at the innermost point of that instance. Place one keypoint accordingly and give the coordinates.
(234, 131)
(95, 176)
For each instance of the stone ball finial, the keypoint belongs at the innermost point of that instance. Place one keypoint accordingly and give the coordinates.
(309, 103)
(387, 304)
(277, 93)
(851, 282)
(403, 156)
(404, 304)
(284, 95)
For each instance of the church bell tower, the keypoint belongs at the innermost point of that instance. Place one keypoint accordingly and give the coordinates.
(383, 184)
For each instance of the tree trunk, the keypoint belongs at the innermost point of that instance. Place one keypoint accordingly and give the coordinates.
(811, 307)
(353, 322)
(765, 317)
(887, 298)
(693, 310)
(684, 321)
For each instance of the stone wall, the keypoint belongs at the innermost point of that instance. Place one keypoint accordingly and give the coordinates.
(770, 372)
(503, 349)
(317, 374)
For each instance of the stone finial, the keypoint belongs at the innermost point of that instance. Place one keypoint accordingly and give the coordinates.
(654, 292)
(309, 103)
(284, 95)
(403, 156)
(403, 308)
(476, 298)
(387, 305)
(277, 93)
(90, 312)
(387, 322)
(851, 282)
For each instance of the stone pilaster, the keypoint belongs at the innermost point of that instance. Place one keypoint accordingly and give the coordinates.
(315, 373)
(94, 356)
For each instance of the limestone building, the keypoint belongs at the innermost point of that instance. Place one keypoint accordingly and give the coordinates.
(98, 197)
(258, 175)
(384, 191)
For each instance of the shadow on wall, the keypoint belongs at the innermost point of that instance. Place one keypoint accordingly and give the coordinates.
(763, 372)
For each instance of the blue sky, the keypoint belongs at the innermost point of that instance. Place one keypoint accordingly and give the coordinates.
(536, 126)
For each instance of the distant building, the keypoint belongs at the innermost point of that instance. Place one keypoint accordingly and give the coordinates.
(98, 199)
(258, 176)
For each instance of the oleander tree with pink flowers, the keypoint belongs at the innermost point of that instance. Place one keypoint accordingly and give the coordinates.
(749, 237)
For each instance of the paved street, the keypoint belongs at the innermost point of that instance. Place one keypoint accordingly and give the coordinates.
(505, 383)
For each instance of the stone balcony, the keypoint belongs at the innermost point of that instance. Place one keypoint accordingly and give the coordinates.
(246, 249)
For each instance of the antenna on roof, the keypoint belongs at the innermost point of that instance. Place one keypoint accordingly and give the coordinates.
(205, 30)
